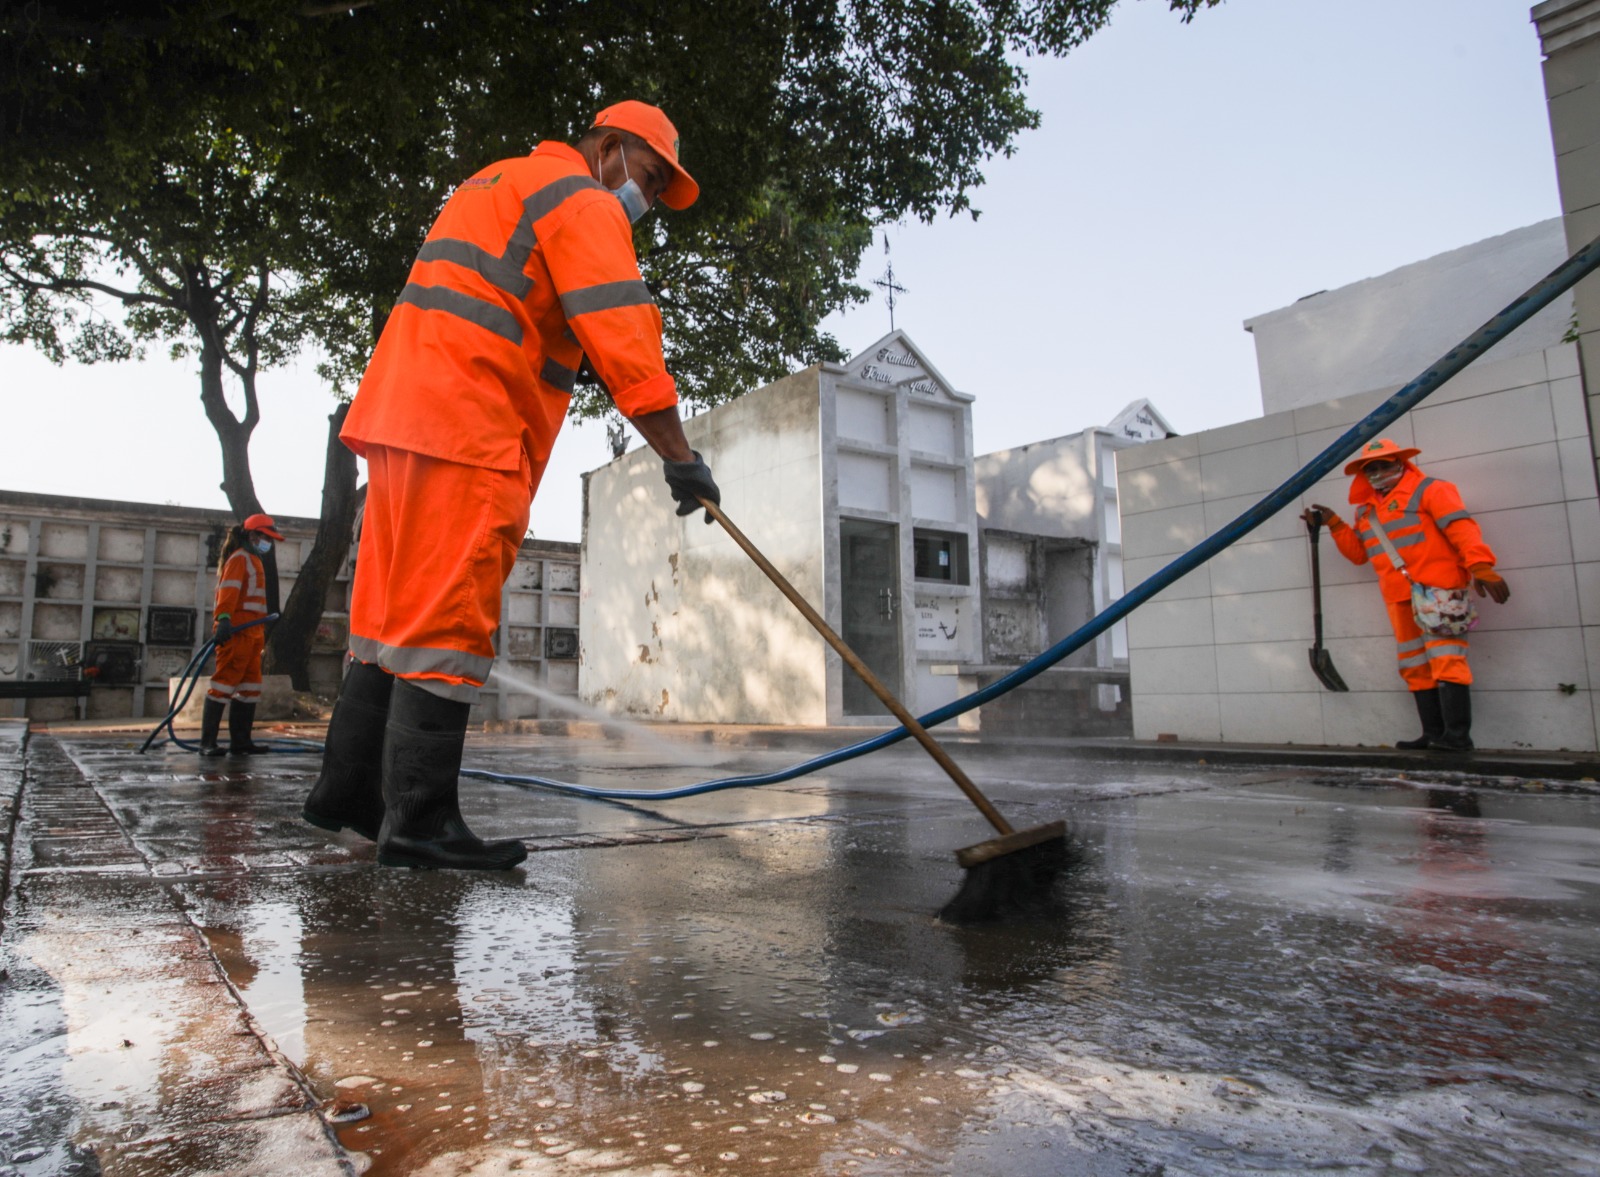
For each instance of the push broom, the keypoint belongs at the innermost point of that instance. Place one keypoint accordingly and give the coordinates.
(1007, 875)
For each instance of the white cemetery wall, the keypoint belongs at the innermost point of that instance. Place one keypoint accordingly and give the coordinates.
(1222, 654)
(676, 622)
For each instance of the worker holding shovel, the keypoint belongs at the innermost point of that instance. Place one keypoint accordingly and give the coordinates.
(528, 271)
(1429, 555)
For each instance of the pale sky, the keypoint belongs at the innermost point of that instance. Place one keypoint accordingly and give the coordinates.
(1185, 179)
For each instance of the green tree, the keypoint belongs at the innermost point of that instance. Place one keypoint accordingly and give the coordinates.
(243, 180)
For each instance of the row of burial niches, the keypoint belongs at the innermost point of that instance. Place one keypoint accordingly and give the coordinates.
(80, 582)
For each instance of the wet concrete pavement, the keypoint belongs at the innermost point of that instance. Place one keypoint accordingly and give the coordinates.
(1245, 970)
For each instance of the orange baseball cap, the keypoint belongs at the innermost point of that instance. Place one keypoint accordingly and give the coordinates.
(263, 524)
(1383, 449)
(650, 124)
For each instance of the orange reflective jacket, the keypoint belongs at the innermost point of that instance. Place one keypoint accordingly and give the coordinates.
(529, 266)
(241, 588)
(1428, 525)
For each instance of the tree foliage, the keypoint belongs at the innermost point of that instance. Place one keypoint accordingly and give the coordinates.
(284, 160)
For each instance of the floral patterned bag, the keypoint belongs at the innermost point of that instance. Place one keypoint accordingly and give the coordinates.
(1440, 612)
(1443, 612)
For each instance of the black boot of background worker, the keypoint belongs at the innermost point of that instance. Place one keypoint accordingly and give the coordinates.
(1428, 710)
(241, 719)
(210, 722)
(349, 790)
(1455, 701)
(422, 824)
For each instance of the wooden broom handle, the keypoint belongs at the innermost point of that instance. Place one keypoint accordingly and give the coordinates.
(885, 696)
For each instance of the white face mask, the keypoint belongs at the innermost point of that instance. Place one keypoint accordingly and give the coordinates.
(1384, 482)
(634, 202)
(262, 545)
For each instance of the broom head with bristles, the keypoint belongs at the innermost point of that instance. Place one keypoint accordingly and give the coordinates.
(1010, 876)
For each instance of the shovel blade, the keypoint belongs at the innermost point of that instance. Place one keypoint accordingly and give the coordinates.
(1322, 666)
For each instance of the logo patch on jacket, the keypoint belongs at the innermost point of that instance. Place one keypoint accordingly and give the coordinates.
(478, 182)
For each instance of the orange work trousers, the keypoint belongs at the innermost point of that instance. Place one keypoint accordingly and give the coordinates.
(238, 671)
(438, 541)
(1425, 660)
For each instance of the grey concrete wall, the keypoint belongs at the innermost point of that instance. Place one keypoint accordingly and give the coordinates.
(1063, 489)
(109, 563)
(106, 565)
(1047, 488)
(1222, 654)
(1387, 329)
(1569, 31)
(676, 622)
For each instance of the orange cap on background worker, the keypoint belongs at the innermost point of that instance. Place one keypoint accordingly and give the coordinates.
(651, 124)
(264, 524)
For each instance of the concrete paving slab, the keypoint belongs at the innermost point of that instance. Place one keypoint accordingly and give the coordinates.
(1280, 969)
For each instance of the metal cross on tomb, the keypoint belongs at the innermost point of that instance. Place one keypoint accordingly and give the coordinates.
(887, 283)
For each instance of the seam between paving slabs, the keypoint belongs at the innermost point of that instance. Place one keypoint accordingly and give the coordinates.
(268, 1046)
(13, 818)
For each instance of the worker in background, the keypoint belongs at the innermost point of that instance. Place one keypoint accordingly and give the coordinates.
(1441, 546)
(241, 597)
(528, 271)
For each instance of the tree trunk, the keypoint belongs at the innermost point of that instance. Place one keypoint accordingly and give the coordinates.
(232, 433)
(289, 649)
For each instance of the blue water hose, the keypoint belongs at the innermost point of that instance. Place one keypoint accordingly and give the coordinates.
(1563, 278)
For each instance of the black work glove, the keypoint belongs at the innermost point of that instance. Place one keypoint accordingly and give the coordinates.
(691, 482)
(223, 631)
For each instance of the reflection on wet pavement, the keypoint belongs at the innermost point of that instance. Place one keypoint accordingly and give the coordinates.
(1267, 972)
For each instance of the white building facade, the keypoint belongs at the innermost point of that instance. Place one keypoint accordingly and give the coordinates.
(856, 481)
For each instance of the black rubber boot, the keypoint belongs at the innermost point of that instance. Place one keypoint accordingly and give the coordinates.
(1455, 701)
(1432, 720)
(241, 718)
(349, 790)
(422, 823)
(210, 722)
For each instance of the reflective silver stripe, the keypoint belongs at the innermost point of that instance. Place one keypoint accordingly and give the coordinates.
(238, 584)
(421, 659)
(1447, 649)
(474, 310)
(220, 690)
(607, 296)
(1413, 644)
(1454, 517)
(1419, 660)
(502, 272)
(545, 201)
(506, 272)
(558, 375)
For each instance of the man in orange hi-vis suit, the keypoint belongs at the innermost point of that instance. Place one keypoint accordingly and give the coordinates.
(241, 598)
(528, 269)
(1441, 546)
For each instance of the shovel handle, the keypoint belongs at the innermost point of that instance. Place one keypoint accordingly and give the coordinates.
(885, 696)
